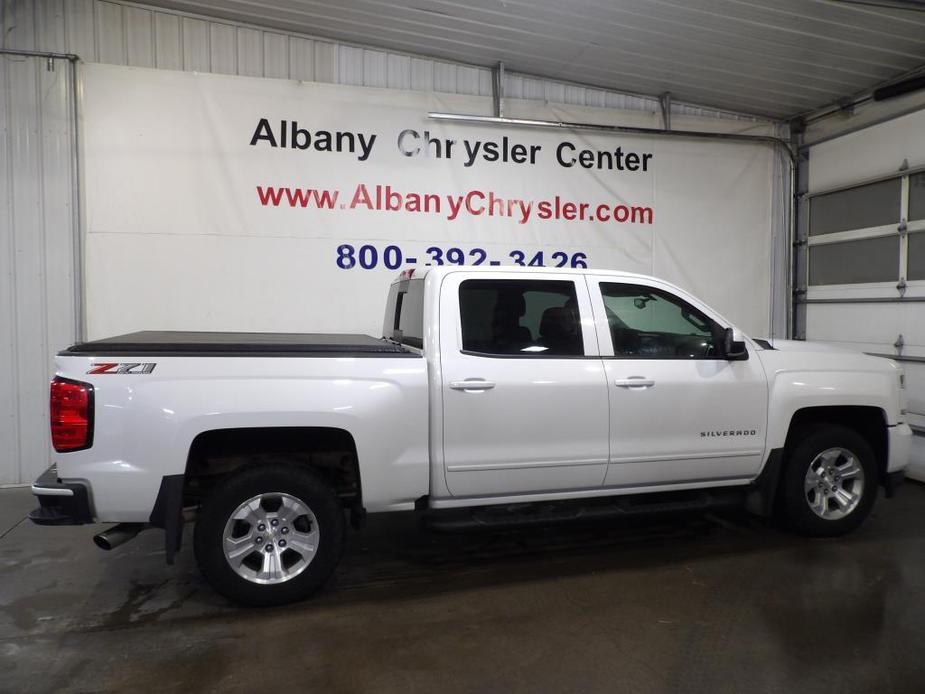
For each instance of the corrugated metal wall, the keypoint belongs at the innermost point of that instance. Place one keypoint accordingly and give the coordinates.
(38, 299)
(128, 34)
(38, 296)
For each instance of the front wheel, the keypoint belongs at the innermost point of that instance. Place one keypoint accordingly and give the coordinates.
(829, 482)
(269, 535)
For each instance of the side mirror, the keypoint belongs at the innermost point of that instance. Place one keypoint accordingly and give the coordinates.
(733, 346)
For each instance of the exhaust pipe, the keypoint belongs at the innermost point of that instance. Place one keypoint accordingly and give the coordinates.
(117, 535)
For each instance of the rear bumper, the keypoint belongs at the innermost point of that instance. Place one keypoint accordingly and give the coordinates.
(60, 503)
(899, 446)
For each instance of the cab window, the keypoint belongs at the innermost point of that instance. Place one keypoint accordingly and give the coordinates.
(526, 318)
(648, 323)
(404, 313)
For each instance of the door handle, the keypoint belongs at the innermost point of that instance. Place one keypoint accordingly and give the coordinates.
(473, 384)
(634, 382)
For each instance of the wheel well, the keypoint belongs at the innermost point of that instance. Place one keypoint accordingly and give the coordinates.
(869, 422)
(330, 452)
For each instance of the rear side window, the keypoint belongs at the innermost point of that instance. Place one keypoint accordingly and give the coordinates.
(527, 318)
(404, 313)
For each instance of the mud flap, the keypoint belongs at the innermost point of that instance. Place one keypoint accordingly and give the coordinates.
(168, 514)
(763, 491)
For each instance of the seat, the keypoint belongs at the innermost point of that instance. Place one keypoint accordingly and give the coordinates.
(508, 335)
(559, 331)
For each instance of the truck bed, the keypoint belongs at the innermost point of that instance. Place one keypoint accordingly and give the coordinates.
(216, 344)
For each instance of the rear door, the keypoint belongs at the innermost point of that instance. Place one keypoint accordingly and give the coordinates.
(525, 403)
(680, 412)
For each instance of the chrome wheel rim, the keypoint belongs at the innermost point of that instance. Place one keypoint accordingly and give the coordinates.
(834, 483)
(271, 538)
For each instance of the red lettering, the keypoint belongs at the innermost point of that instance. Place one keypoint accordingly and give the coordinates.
(271, 195)
(475, 194)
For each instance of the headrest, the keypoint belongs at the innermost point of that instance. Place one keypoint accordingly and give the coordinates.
(511, 304)
(558, 323)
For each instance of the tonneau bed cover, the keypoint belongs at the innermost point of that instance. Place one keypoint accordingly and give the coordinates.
(214, 344)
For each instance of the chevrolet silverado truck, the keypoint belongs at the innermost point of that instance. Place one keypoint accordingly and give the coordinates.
(495, 396)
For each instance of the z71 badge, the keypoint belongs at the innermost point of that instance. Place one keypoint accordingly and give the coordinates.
(122, 368)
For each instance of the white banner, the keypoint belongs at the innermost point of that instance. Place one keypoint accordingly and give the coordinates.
(234, 203)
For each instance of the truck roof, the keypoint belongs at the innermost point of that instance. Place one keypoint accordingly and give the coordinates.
(421, 271)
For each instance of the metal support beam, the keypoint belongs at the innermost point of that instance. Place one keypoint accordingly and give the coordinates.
(867, 300)
(777, 142)
(497, 91)
(664, 100)
(73, 57)
(799, 225)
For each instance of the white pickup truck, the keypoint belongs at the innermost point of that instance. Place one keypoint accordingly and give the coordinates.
(496, 396)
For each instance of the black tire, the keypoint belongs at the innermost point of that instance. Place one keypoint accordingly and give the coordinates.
(794, 503)
(248, 483)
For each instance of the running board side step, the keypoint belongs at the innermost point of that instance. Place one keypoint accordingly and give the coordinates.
(552, 512)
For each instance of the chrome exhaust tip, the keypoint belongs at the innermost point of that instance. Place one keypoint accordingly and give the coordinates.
(117, 535)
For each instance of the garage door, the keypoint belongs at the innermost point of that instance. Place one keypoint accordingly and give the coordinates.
(866, 275)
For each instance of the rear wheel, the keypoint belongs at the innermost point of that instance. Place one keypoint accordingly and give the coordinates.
(829, 483)
(269, 535)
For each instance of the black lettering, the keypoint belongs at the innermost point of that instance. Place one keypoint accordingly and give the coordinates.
(413, 134)
(472, 151)
(263, 132)
(300, 137)
(366, 145)
(323, 141)
(559, 154)
(341, 137)
(435, 144)
(618, 153)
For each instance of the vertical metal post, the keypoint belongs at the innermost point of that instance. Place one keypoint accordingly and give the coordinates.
(77, 207)
(664, 100)
(498, 90)
(799, 234)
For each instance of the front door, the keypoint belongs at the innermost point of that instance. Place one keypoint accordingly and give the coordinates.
(525, 403)
(680, 412)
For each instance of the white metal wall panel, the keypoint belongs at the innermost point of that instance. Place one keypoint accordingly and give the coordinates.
(168, 42)
(110, 31)
(9, 344)
(275, 55)
(37, 253)
(223, 57)
(196, 47)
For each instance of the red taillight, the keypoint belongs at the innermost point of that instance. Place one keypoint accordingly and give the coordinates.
(71, 415)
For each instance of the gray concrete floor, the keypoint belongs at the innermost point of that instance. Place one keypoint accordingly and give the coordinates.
(704, 603)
